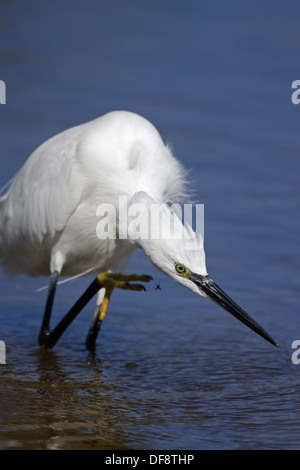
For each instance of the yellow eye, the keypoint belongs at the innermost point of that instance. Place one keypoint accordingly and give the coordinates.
(180, 269)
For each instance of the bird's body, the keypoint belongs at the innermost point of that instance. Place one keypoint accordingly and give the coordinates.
(50, 208)
(48, 217)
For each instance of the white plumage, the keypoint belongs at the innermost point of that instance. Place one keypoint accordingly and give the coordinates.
(48, 217)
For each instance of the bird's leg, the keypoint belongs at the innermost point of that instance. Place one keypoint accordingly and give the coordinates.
(99, 314)
(44, 331)
(49, 339)
(110, 281)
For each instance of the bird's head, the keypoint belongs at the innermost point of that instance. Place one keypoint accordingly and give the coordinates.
(178, 251)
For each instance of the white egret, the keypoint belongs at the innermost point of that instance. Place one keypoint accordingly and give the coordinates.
(49, 223)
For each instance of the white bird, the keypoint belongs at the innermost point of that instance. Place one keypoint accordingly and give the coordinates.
(49, 217)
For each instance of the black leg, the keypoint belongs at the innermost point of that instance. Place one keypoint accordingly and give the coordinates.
(49, 339)
(44, 331)
(99, 315)
(94, 330)
(108, 281)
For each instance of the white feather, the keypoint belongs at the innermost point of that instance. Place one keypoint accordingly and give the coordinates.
(48, 216)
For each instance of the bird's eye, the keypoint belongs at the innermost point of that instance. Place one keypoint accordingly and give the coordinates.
(180, 269)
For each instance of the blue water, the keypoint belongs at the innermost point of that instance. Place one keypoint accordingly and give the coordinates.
(171, 370)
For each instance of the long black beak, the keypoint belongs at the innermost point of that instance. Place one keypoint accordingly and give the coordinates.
(215, 293)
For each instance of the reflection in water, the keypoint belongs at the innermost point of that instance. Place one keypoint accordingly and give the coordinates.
(71, 399)
(55, 410)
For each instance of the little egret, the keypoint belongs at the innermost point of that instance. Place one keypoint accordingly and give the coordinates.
(51, 224)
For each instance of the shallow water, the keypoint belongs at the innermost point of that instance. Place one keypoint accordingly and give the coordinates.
(171, 370)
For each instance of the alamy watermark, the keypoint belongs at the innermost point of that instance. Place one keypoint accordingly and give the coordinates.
(155, 221)
(2, 92)
(296, 354)
(296, 94)
(2, 352)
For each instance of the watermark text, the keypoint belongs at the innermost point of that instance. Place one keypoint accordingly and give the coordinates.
(296, 354)
(153, 221)
(2, 92)
(2, 352)
(296, 94)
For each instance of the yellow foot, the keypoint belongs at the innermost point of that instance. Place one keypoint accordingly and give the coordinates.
(121, 281)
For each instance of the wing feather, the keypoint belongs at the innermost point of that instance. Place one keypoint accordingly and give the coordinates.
(43, 195)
